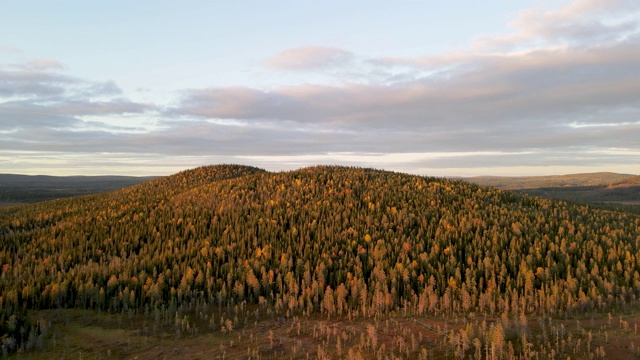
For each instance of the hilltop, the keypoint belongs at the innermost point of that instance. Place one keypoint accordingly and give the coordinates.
(219, 248)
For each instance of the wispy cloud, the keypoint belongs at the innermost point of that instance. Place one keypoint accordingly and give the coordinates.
(310, 58)
(37, 93)
(9, 50)
(580, 23)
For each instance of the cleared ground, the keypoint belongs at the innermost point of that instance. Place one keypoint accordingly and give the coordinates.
(79, 334)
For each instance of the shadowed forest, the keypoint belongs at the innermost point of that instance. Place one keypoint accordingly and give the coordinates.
(22, 189)
(328, 262)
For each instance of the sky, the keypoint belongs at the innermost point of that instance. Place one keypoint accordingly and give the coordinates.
(440, 88)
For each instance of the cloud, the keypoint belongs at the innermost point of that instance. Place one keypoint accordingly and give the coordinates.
(38, 94)
(582, 22)
(9, 50)
(540, 78)
(107, 88)
(22, 83)
(40, 65)
(560, 89)
(310, 58)
(520, 93)
(539, 87)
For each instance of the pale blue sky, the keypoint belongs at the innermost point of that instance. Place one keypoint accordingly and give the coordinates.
(431, 87)
(221, 43)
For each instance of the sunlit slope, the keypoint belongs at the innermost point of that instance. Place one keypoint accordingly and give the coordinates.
(323, 239)
(143, 197)
(630, 181)
(552, 181)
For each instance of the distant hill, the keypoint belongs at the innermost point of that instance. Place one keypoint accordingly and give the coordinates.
(617, 194)
(629, 181)
(536, 182)
(607, 190)
(20, 189)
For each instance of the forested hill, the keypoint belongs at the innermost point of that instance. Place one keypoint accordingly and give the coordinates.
(328, 240)
(630, 181)
(552, 181)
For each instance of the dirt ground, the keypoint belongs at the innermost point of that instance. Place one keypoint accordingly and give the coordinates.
(77, 334)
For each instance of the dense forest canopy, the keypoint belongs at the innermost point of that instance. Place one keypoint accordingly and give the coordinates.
(321, 240)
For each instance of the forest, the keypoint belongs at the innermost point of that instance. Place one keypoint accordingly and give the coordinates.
(24, 189)
(327, 262)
